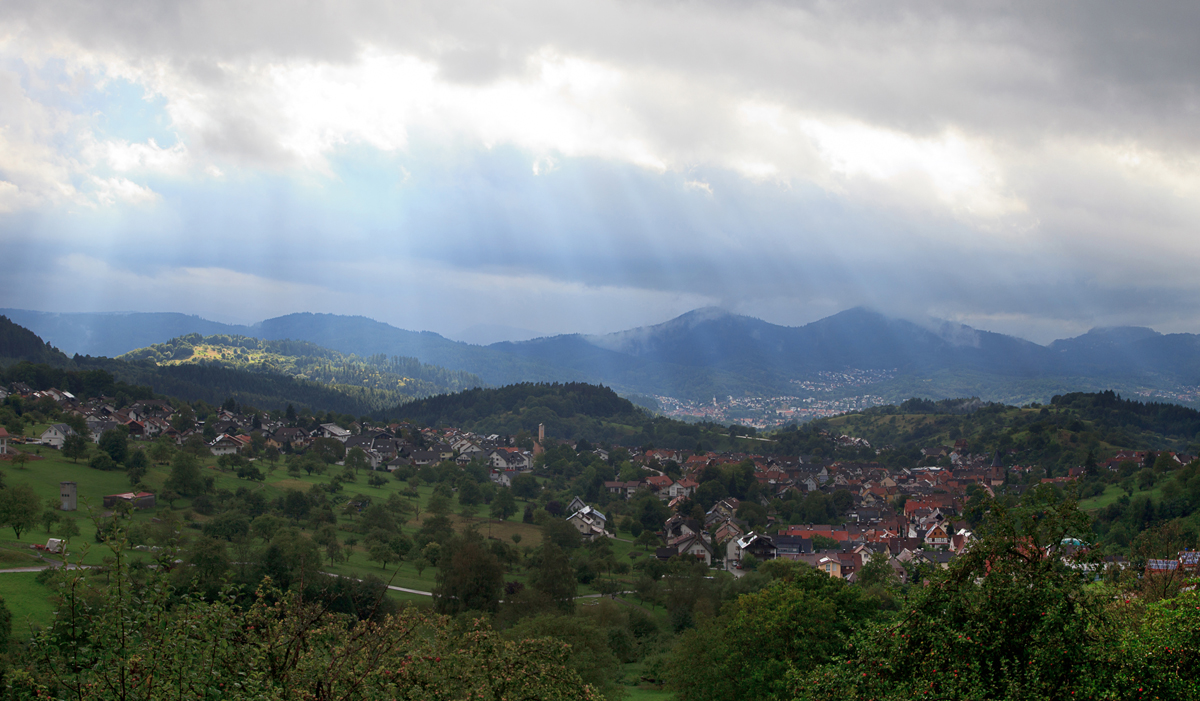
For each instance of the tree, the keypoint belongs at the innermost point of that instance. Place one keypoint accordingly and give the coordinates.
(525, 486)
(114, 442)
(295, 504)
(185, 477)
(356, 459)
(469, 493)
(648, 539)
(229, 525)
(197, 446)
(136, 466)
(161, 450)
(1014, 618)
(67, 529)
(378, 517)
(503, 504)
(329, 450)
(290, 559)
(183, 419)
(20, 508)
(102, 461)
(469, 578)
(266, 526)
(74, 447)
(333, 550)
(553, 576)
(591, 655)
(77, 423)
(209, 561)
(797, 622)
(876, 571)
(438, 504)
(276, 645)
(820, 542)
(311, 463)
(20, 460)
(49, 517)
(561, 533)
(380, 551)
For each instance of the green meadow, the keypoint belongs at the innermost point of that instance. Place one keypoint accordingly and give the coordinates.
(47, 469)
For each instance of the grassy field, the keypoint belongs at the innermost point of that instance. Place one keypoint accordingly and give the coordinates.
(44, 474)
(646, 693)
(636, 689)
(1111, 494)
(27, 599)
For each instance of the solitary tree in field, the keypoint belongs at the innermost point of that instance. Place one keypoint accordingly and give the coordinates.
(20, 508)
(74, 447)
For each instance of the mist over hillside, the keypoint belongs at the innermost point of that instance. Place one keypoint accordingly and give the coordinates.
(710, 353)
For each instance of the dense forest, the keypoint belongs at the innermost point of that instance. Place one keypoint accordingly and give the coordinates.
(571, 410)
(19, 343)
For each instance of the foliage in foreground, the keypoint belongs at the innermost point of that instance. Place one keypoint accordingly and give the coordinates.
(138, 640)
(1009, 621)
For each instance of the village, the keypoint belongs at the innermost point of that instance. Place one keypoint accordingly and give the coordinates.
(913, 517)
(763, 413)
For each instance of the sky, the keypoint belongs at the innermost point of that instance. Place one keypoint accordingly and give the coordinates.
(472, 168)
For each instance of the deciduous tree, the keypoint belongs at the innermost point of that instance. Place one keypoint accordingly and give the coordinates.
(20, 508)
(74, 447)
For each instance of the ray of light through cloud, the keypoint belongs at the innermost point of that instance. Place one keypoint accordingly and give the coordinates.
(440, 166)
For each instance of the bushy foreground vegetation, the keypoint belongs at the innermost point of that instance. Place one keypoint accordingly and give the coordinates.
(1019, 616)
(1024, 614)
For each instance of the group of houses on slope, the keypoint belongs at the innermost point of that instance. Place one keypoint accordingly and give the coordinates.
(908, 515)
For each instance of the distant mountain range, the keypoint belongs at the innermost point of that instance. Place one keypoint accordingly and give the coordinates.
(710, 352)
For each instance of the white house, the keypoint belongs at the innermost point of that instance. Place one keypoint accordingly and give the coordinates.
(682, 488)
(504, 478)
(510, 459)
(590, 522)
(225, 445)
(335, 431)
(56, 435)
(695, 546)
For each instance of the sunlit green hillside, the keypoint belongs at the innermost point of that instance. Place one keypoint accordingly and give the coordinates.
(401, 377)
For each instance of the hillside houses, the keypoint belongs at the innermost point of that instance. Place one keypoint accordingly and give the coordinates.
(776, 506)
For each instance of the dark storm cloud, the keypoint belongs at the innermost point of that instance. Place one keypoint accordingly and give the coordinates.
(1026, 165)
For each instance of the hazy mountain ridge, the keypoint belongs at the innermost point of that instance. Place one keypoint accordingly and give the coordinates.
(710, 352)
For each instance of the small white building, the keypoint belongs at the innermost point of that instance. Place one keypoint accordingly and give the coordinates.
(225, 445)
(590, 523)
(335, 431)
(56, 435)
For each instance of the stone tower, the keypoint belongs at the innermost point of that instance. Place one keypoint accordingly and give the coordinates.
(997, 469)
(68, 493)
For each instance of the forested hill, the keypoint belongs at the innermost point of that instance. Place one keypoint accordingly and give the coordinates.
(569, 411)
(19, 343)
(1060, 435)
(396, 378)
(565, 409)
(27, 359)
